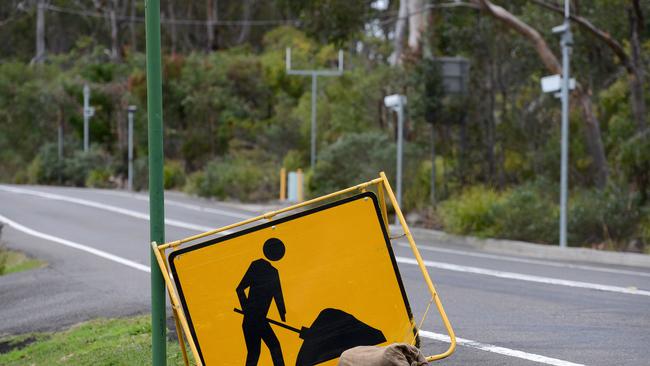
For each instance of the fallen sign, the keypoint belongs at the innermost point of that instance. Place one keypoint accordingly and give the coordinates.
(309, 285)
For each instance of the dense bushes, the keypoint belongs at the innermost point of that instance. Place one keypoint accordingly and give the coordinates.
(354, 158)
(530, 212)
(173, 174)
(527, 212)
(235, 177)
(471, 212)
(93, 168)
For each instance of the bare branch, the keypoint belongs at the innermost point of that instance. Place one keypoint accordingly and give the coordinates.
(543, 50)
(613, 44)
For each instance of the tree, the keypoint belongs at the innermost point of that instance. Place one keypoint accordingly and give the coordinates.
(583, 94)
(632, 63)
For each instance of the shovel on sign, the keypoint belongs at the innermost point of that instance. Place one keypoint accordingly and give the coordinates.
(333, 332)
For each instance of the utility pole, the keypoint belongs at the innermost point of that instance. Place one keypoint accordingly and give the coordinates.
(131, 112)
(156, 191)
(566, 43)
(314, 89)
(397, 102)
(88, 112)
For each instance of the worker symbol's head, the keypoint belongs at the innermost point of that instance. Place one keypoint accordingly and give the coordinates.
(274, 249)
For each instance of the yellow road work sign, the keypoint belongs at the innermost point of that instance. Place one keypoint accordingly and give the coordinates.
(298, 290)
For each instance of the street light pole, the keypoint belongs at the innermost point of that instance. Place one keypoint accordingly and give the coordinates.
(566, 42)
(400, 153)
(314, 91)
(131, 112)
(397, 102)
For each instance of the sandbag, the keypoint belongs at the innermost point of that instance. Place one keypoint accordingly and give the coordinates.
(396, 354)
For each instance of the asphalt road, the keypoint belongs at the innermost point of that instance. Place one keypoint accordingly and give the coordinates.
(506, 310)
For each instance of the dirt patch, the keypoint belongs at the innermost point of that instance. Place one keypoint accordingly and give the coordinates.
(7, 346)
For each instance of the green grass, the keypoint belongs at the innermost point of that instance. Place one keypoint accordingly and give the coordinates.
(12, 261)
(98, 342)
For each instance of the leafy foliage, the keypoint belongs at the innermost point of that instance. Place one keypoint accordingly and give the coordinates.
(233, 116)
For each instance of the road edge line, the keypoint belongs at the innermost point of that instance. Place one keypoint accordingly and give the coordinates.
(71, 244)
(499, 350)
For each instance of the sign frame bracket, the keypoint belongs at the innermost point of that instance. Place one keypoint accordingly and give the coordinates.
(383, 188)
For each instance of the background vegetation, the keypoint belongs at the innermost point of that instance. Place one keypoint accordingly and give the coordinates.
(233, 117)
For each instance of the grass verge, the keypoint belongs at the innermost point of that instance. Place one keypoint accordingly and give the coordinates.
(12, 261)
(124, 341)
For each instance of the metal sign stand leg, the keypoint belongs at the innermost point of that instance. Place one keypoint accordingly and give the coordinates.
(381, 184)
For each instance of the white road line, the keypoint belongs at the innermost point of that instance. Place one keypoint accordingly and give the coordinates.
(101, 206)
(500, 350)
(529, 261)
(423, 333)
(432, 264)
(525, 277)
(71, 244)
(171, 202)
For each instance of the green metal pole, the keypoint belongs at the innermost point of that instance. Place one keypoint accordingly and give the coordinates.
(156, 191)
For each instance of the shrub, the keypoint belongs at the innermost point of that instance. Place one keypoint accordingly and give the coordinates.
(644, 227)
(99, 178)
(418, 193)
(77, 168)
(141, 173)
(596, 216)
(294, 160)
(526, 213)
(47, 168)
(634, 160)
(238, 178)
(173, 174)
(356, 158)
(472, 212)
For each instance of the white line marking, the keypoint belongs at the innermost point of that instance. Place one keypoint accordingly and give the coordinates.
(525, 277)
(525, 260)
(144, 268)
(71, 244)
(101, 206)
(171, 202)
(500, 350)
(423, 333)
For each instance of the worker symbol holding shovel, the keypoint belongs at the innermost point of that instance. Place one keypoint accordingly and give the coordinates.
(263, 284)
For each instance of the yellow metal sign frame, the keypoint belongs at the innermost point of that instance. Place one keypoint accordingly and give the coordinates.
(382, 186)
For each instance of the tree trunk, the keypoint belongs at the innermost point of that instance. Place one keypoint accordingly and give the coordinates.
(637, 77)
(115, 45)
(417, 16)
(134, 38)
(172, 25)
(594, 138)
(592, 125)
(247, 6)
(40, 33)
(212, 15)
(633, 65)
(400, 32)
